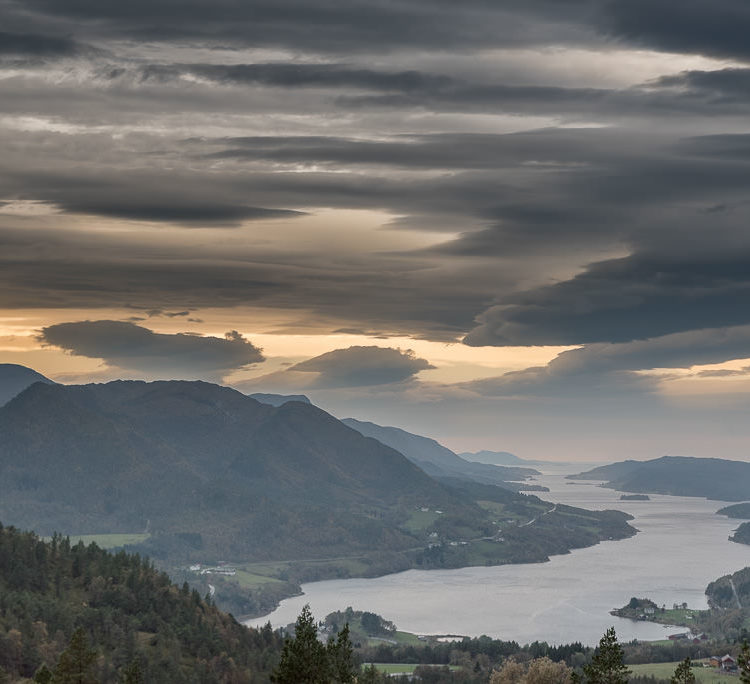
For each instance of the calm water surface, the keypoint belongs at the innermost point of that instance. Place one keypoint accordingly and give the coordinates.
(681, 547)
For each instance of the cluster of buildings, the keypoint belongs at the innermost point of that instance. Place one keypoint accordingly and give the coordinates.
(222, 568)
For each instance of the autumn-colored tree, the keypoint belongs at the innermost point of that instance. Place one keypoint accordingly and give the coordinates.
(538, 671)
(512, 672)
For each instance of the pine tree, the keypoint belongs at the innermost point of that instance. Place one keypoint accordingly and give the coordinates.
(370, 675)
(74, 666)
(132, 674)
(684, 673)
(43, 675)
(341, 657)
(607, 667)
(744, 663)
(304, 660)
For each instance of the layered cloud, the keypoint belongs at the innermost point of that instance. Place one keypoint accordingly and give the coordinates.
(609, 370)
(524, 173)
(361, 367)
(135, 348)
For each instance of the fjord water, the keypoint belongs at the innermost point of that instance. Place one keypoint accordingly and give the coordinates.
(682, 545)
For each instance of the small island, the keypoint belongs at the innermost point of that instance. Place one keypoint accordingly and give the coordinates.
(635, 497)
(646, 609)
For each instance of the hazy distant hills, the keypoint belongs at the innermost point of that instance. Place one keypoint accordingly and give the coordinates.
(438, 460)
(500, 458)
(712, 478)
(206, 468)
(14, 379)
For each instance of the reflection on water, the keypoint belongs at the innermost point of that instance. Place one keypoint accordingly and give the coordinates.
(681, 547)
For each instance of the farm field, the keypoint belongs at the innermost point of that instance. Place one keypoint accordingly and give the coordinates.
(703, 675)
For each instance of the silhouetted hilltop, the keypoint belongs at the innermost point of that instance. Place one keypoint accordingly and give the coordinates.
(14, 379)
(279, 399)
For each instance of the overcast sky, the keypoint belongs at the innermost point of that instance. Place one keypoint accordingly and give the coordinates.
(517, 225)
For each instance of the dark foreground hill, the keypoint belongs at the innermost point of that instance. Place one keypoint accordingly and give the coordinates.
(136, 624)
(14, 379)
(441, 462)
(208, 471)
(712, 478)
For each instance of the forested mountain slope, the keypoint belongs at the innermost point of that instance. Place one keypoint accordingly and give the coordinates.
(135, 624)
(207, 470)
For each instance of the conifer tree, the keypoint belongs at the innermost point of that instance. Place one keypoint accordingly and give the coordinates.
(683, 674)
(607, 667)
(743, 663)
(43, 675)
(132, 674)
(304, 660)
(341, 657)
(74, 666)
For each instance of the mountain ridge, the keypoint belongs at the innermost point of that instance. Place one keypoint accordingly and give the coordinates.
(439, 461)
(15, 378)
(712, 478)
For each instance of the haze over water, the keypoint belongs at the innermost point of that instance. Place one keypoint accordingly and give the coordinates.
(681, 547)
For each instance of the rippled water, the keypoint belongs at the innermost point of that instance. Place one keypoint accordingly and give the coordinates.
(681, 547)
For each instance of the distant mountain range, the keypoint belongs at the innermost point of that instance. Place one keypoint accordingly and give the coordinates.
(712, 478)
(501, 458)
(14, 379)
(440, 462)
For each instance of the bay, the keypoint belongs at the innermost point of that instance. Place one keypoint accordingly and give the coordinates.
(682, 545)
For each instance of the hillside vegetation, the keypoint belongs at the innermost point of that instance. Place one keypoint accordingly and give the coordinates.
(132, 620)
(190, 472)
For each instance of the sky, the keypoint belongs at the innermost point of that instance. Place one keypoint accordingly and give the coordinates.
(516, 226)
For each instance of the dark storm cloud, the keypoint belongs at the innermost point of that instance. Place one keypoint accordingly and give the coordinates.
(291, 75)
(183, 211)
(716, 28)
(156, 195)
(31, 45)
(151, 133)
(65, 270)
(689, 26)
(133, 347)
(621, 300)
(357, 25)
(360, 88)
(361, 367)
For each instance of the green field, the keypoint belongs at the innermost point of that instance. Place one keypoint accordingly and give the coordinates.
(420, 520)
(401, 638)
(666, 670)
(108, 541)
(250, 580)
